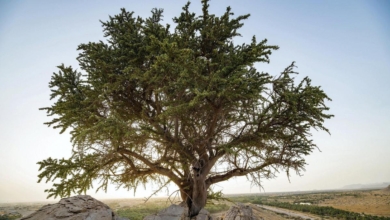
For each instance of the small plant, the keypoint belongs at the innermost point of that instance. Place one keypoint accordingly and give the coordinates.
(214, 208)
(141, 211)
(10, 216)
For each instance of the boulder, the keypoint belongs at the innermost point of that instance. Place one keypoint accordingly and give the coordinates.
(178, 212)
(81, 207)
(239, 212)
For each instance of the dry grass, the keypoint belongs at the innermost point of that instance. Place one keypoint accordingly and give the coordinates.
(372, 202)
(116, 204)
(376, 202)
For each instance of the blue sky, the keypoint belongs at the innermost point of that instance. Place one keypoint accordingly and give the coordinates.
(344, 46)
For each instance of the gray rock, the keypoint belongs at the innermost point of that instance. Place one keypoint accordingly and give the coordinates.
(80, 207)
(239, 212)
(178, 212)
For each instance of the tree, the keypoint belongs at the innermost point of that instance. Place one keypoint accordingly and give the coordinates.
(155, 105)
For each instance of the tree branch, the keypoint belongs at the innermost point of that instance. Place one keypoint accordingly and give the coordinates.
(156, 167)
(236, 172)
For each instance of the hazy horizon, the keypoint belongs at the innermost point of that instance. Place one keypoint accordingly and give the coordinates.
(51, 200)
(343, 46)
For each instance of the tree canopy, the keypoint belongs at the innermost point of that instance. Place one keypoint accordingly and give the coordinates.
(184, 105)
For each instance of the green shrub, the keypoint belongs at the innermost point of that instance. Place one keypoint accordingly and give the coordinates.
(10, 217)
(141, 211)
(213, 208)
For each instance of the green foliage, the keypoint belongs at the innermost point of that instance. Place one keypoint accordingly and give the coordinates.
(150, 102)
(141, 211)
(10, 217)
(218, 196)
(217, 207)
(82, 173)
(249, 199)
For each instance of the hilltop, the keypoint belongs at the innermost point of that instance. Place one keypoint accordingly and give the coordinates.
(387, 189)
(367, 186)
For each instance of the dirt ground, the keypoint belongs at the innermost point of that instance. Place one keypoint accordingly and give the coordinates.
(266, 214)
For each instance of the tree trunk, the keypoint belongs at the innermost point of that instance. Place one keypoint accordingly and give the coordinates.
(196, 196)
(199, 197)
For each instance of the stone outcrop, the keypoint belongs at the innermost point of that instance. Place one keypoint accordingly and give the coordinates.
(239, 212)
(178, 212)
(80, 207)
(85, 207)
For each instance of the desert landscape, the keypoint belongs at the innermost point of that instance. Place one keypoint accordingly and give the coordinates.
(367, 202)
(375, 202)
(371, 203)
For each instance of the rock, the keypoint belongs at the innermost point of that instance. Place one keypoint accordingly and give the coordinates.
(178, 212)
(80, 207)
(239, 212)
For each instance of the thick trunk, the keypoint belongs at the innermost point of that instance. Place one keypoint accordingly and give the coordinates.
(196, 196)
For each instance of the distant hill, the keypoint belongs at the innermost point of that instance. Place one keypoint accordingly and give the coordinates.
(367, 186)
(387, 189)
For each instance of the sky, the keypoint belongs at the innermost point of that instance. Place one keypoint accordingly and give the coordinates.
(343, 46)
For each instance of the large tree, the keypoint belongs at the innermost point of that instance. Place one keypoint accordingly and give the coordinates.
(187, 106)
